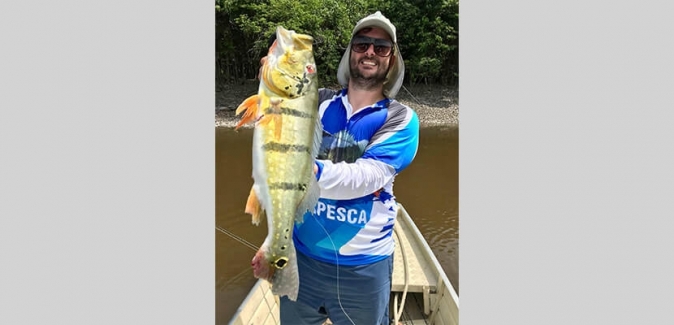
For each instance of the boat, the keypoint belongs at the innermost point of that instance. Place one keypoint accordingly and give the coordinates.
(421, 293)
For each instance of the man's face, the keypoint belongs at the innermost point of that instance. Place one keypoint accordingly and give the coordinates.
(368, 68)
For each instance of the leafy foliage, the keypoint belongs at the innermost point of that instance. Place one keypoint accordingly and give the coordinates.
(427, 34)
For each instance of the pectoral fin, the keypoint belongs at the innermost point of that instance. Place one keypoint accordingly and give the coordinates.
(251, 108)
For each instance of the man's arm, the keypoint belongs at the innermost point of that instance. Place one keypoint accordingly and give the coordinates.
(392, 149)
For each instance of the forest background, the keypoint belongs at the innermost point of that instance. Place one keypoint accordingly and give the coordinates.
(427, 35)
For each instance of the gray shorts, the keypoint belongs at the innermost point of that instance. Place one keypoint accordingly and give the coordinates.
(362, 297)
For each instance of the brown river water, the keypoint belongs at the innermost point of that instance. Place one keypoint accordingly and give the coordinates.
(428, 189)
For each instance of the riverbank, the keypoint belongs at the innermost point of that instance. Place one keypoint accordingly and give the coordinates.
(435, 105)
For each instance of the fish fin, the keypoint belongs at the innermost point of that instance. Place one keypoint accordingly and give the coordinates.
(286, 281)
(253, 207)
(251, 107)
(318, 137)
(265, 119)
(309, 200)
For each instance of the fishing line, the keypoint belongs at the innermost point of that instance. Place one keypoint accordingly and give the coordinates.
(339, 299)
(237, 238)
(418, 102)
(221, 286)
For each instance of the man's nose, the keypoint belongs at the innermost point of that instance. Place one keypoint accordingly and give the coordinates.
(370, 50)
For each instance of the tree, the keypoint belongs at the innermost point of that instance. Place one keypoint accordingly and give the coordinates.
(427, 34)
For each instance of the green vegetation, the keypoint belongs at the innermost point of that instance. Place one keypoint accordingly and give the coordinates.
(427, 34)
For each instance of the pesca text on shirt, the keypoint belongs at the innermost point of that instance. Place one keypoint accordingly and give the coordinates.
(331, 212)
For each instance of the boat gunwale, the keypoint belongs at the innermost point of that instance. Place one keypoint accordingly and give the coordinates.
(429, 253)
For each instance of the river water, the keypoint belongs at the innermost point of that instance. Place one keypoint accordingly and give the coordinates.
(428, 189)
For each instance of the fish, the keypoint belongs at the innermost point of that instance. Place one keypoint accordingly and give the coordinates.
(286, 139)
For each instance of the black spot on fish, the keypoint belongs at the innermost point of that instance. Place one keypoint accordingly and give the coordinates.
(283, 247)
(288, 186)
(288, 111)
(284, 147)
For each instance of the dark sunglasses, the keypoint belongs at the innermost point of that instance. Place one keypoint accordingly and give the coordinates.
(382, 47)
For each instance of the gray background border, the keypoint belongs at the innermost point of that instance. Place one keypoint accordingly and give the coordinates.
(107, 168)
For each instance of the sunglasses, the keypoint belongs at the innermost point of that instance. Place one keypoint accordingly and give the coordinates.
(382, 47)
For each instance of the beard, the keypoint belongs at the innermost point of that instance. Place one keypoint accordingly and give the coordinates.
(372, 80)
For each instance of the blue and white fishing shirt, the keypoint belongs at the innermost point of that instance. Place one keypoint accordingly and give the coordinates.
(360, 156)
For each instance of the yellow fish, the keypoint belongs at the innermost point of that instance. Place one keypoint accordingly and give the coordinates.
(286, 141)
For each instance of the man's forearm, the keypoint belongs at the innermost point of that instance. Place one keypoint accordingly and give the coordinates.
(344, 181)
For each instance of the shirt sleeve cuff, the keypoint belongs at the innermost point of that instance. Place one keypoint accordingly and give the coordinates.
(320, 169)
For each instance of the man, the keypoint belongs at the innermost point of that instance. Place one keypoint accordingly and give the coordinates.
(345, 248)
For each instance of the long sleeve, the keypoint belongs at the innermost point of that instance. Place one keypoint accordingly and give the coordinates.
(344, 181)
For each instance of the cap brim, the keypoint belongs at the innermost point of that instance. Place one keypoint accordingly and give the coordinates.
(375, 22)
